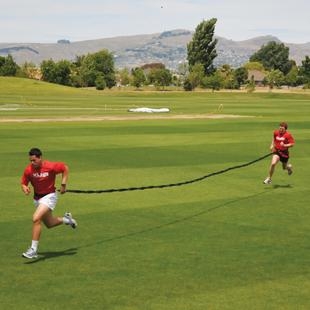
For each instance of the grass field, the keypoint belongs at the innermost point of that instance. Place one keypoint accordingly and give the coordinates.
(227, 242)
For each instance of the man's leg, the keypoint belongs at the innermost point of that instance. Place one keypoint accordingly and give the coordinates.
(275, 159)
(39, 215)
(288, 167)
(50, 221)
(44, 209)
(37, 218)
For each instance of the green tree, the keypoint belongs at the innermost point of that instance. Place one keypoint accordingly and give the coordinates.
(93, 65)
(49, 71)
(8, 67)
(138, 77)
(63, 72)
(195, 76)
(254, 65)
(274, 78)
(187, 86)
(228, 78)
(241, 76)
(78, 60)
(2, 61)
(274, 56)
(124, 76)
(160, 77)
(201, 49)
(214, 81)
(100, 82)
(250, 86)
(105, 64)
(305, 70)
(88, 74)
(76, 80)
(56, 72)
(76, 76)
(293, 78)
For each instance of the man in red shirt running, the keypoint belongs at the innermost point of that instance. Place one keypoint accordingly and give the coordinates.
(42, 176)
(282, 140)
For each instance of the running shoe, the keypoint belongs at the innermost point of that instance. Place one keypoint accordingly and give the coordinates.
(289, 169)
(267, 181)
(72, 221)
(30, 253)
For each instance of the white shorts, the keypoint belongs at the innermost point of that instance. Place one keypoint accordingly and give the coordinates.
(49, 200)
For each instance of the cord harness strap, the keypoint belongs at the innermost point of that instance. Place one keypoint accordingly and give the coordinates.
(111, 190)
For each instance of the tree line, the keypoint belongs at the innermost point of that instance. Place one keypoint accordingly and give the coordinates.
(98, 69)
(271, 59)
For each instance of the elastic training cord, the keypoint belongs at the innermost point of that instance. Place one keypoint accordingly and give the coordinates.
(77, 191)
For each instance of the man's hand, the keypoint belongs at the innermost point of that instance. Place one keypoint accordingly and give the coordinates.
(63, 188)
(26, 189)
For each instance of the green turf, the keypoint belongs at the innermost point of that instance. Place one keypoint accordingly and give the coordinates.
(227, 242)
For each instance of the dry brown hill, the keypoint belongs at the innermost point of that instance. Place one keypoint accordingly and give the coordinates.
(168, 47)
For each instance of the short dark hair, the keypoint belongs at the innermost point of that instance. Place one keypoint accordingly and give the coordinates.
(283, 124)
(35, 152)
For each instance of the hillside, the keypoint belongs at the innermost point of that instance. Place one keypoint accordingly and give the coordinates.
(168, 47)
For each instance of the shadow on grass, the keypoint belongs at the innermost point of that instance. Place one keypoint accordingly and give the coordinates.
(48, 255)
(180, 220)
(275, 186)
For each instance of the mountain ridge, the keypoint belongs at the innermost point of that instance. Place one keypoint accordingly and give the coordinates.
(168, 47)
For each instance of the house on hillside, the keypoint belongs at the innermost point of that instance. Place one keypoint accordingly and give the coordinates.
(257, 76)
(154, 65)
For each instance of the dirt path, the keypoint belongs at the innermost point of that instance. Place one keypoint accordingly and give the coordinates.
(120, 118)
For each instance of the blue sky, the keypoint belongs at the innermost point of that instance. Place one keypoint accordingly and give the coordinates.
(46, 21)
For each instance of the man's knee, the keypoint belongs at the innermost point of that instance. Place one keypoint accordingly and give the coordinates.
(36, 219)
(273, 164)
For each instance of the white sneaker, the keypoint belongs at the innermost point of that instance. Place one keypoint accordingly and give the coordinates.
(72, 221)
(289, 169)
(30, 253)
(267, 181)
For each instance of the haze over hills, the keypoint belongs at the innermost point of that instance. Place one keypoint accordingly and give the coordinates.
(169, 47)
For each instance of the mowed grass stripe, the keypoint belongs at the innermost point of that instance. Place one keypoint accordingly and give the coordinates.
(227, 242)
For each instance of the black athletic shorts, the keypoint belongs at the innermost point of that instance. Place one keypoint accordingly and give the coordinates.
(284, 155)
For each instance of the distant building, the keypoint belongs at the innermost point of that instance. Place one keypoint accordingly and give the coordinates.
(63, 41)
(153, 65)
(257, 76)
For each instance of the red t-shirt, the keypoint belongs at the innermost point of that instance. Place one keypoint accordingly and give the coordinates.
(43, 178)
(284, 137)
